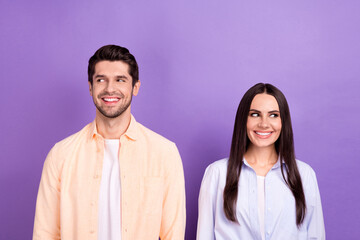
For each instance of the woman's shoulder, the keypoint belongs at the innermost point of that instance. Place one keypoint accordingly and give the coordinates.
(215, 175)
(307, 173)
(218, 166)
(304, 168)
(309, 182)
(216, 169)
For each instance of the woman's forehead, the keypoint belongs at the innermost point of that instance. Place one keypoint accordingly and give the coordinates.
(264, 102)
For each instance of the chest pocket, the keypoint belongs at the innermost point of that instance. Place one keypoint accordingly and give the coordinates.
(152, 195)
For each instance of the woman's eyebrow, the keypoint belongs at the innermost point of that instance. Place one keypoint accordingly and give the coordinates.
(272, 111)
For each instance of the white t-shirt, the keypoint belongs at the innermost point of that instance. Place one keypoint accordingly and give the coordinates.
(109, 215)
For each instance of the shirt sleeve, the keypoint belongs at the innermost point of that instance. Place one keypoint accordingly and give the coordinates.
(316, 227)
(174, 212)
(47, 214)
(207, 199)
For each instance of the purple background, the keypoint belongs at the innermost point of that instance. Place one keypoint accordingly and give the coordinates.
(197, 58)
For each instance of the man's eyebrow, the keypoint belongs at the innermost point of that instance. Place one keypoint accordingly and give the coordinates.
(118, 76)
(99, 76)
(121, 76)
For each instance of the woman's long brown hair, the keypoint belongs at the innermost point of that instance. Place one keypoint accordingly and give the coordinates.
(284, 147)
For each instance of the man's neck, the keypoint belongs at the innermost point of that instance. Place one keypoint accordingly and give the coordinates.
(112, 128)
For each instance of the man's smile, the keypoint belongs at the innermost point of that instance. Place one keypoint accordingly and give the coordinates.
(110, 99)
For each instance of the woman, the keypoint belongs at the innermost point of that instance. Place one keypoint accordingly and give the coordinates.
(261, 191)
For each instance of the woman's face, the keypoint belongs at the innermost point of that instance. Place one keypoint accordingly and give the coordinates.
(264, 122)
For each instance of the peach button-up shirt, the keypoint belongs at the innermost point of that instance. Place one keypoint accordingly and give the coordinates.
(152, 187)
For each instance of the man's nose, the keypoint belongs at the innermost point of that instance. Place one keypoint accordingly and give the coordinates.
(110, 86)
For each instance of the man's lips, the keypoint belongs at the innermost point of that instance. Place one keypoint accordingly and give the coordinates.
(110, 99)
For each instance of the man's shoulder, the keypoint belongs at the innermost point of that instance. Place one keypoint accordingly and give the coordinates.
(74, 139)
(66, 147)
(152, 137)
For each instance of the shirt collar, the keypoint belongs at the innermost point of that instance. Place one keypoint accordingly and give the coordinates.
(131, 132)
(276, 165)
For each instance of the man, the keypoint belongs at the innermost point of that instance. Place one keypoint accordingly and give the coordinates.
(114, 179)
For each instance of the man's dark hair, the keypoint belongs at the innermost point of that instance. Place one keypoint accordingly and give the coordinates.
(114, 53)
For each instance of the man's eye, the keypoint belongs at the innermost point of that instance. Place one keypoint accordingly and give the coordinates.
(254, 114)
(100, 80)
(121, 80)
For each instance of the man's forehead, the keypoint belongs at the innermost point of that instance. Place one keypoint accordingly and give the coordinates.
(106, 66)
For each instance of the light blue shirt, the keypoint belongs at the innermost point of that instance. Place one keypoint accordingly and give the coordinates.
(280, 210)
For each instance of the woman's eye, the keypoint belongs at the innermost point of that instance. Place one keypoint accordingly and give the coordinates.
(274, 115)
(254, 114)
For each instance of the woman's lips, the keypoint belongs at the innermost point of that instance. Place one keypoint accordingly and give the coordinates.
(263, 135)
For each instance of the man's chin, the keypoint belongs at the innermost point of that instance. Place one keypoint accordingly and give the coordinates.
(112, 115)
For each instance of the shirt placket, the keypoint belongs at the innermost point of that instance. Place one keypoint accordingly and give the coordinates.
(123, 180)
(253, 200)
(270, 202)
(96, 179)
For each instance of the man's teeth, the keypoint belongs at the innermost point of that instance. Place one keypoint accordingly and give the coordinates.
(111, 99)
(263, 134)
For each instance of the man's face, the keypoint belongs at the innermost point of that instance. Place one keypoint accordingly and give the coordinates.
(112, 88)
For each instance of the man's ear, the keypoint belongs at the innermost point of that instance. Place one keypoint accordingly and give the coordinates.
(90, 88)
(136, 88)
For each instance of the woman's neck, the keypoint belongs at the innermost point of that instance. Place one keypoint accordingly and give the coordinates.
(261, 159)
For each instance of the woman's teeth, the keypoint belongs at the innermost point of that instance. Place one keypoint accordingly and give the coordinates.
(263, 134)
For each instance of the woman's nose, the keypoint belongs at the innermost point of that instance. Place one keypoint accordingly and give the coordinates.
(263, 123)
